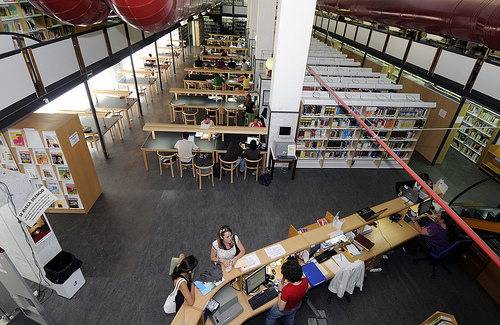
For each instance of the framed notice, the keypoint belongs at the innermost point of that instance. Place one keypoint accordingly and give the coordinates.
(40, 231)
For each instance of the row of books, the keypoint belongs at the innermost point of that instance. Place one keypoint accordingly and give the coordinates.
(400, 145)
(367, 154)
(490, 118)
(54, 33)
(8, 12)
(380, 123)
(474, 145)
(31, 25)
(336, 154)
(380, 111)
(483, 127)
(344, 122)
(309, 154)
(479, 137)
(13, 27)
(400, 154)
(366, 145)
(402, 135)
(311, 134)
(412, 112)
(409, 124)
(340, 144)
(28, 10)
(342, 134)
(39, 36)
(314, 122)
(309, 144)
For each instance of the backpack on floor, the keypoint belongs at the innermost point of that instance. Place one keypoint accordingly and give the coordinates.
(265, 179)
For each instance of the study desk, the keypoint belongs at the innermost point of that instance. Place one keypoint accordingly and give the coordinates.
(206, 81)
(228, 72)
(235, 57)
(144, 82)
(211, 41)
(225, 36)
(230, 49)
(201, 102)
(118, 105)
(110, 123)
(386, 236)
(146, 73)
(165, 141)
(111, 93)
(209, 92)
(273, 160)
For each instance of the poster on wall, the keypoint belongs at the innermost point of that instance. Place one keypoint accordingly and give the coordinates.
(40, 231)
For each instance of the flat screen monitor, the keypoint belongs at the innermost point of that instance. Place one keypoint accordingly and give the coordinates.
(254, 280)
(249, 139)
(425, 207)
(285, 130)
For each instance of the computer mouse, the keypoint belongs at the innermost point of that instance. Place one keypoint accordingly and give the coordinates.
(274, 271)
(341, 249)
(271, 277)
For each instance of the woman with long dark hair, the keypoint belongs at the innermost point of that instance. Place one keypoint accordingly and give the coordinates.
(182, 272)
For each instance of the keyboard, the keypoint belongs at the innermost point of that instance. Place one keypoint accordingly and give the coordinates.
(325, 255)
(263, 298)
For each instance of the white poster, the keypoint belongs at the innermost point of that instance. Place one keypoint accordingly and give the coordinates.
(35, 206)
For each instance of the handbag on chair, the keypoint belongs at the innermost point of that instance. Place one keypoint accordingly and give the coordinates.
(169, 306)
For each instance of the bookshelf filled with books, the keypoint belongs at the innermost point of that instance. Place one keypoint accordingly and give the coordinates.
(19, 16)
(476, 132)
(51, 150)
(340, 142)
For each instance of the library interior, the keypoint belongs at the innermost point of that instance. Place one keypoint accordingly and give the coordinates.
(355, 141)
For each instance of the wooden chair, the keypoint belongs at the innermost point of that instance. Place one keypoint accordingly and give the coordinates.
(205, 171)
(191, 85)
(232, 87)
(189, 115)
(181, 164)
(218, 87)
(231, 113)
(256, 167)
(93, 138)
(143, 91)
(231, 168)
(167, 160)
(213, 113)
(176, 109)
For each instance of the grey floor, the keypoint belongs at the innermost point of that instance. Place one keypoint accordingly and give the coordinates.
(142, 219)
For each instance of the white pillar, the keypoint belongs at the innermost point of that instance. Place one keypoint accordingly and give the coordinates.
(265, 29)
(252, 11)
(293, 35)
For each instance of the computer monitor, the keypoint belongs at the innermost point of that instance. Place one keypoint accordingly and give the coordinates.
(285, 131)
(254, 280)
(249, 139)
(424, 207)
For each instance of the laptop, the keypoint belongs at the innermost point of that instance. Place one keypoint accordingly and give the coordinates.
(410, 194)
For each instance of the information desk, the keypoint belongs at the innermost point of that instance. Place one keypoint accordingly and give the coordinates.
(165, 141)
(202, 102)
(386, 236)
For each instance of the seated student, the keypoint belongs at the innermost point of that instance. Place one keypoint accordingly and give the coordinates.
(227, 248)
(256, 123)
(435, 236)
(252, 153)
(245, 80)
(185, 147)
(224, 53)
(291, 289)
(204, 51)
(198, 63)
(182, 272)
(218, 81)
(150, 62)
(234, 152)
(244, 65)
(207, 121)
(422, 194)
(220, 64)
(231, 64)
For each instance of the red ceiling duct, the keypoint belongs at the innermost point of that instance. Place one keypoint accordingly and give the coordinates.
(74, 12)
(470, 20)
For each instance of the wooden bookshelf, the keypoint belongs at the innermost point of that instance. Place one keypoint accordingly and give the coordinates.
(329, 137)
(51, 149)
(491, 161)
(21, 17)
(476, 132)
(440, 318)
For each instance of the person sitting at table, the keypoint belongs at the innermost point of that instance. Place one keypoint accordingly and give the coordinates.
(150, 62)
(234, 152)
(422, 194)
(256, 123)
(204, 51)
(251, 153)
(198, 63)
(185, 147)
(245, 80)
(231, 64)
(224, 53)
(435, 236)
(291, 289)
(218, 81)
(182, 272)
(227, 248)
(207, 121)
(220, 64)
(244, 65)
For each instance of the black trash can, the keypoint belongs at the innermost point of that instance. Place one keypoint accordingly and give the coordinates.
(61, 267)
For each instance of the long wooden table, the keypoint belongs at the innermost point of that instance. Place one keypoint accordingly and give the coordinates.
(228, 72)
(203, 80)
(230, 49)
(165, 140)
(111, 93)
(108, 127)
(208, 92)
(119, 105)
(386, 236)
(148, 83)
(236, 58)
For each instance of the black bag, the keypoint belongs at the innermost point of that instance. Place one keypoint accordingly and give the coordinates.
(265, 179)
(217, 170)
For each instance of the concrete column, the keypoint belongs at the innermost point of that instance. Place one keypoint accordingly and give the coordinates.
(265, 28)
(252, 10)
(293, 35)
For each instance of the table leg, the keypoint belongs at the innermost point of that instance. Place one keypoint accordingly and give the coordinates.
(294, 168)
(128, 119)
(272, 168)
(120, 132)
(145, 159)
(264, 160)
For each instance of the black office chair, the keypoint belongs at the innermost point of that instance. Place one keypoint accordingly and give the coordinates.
(450, 255)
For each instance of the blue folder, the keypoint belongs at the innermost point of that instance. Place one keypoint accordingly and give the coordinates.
(313, 274)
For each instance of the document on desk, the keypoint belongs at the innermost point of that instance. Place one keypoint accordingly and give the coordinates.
(353, 250)
(332, 265)
(252, 261)
(341, 260)
(275, 251)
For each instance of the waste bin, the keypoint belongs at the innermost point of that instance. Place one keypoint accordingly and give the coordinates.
(61, 267)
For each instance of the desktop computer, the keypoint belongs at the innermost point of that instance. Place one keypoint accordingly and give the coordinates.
(229, 307)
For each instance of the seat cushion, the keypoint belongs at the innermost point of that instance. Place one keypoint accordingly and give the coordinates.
(205, 171)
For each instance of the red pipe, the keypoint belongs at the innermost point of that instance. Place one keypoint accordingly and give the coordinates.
(494, 257)
(74, 12)
(470, 20)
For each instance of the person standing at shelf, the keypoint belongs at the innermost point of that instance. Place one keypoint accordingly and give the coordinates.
(422, 194)
(182, 272)
(231, 64)
(185, 147)
(227, 248)
(244, 65)
(218, 81)
(291, 289)
(435, 236)
(198, 63)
